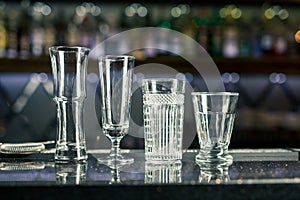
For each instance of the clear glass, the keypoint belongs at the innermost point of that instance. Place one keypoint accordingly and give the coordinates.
(163, 173)
(163, 107)
(214, 114)
(70, 173)
(213, 174)
(115, 74)
(69, 73)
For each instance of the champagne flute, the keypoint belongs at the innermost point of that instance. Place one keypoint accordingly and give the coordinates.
(115, 75)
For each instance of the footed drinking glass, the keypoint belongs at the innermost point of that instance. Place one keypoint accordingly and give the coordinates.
(215, 115)
(115, 75)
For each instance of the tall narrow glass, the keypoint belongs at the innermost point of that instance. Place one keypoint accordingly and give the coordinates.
(163, 108)
(115, 75)
(69, 74)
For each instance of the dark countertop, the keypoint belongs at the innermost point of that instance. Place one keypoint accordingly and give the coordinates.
(255, 174)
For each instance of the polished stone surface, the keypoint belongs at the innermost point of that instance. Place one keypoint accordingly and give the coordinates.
(254, 174)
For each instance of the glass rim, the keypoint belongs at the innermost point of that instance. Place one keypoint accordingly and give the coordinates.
(68, 48)
(215, 93)
(115, 57)
(178, 83)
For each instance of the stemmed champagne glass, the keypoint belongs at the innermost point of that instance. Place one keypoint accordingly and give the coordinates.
(115, 74)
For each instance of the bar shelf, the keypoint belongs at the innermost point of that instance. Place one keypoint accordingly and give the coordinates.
(245, 65)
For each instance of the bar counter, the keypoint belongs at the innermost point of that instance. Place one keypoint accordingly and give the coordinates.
(254, 174)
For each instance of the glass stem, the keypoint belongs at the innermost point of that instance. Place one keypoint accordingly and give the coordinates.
(115, 149)
(115, 175)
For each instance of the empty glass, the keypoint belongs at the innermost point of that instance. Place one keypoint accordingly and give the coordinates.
(214, 114)
(70, 173)
(163, 107)
(115, 74)
(213, 174)
(69, 75)
(163, 172)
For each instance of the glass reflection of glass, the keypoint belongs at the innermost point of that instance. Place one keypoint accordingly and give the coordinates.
(22, 166)
(213, 174)
(115, 76)
(163, 172)
(70, 173)
(115, 174)
(115, 170)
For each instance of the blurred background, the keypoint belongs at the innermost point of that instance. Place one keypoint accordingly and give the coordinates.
(252, 43)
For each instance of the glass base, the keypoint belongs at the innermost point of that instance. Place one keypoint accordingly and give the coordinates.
(115, 160)
(162, 158)
(70, 173)
(214, 158)
(210, 173)
(70, 155)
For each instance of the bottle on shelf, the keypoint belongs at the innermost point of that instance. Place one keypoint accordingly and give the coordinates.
(61, 27)
(280, 39)
(230, 46)
(103, 27)
(85, 24)
(202, 23)
(37, 31)
(215, 33)
(163, 21)
(12, 36)
(184, 22)
(256, 50)
(50, 32)
(24, 32)
(3, 34)
(134, 15)
(245, 38)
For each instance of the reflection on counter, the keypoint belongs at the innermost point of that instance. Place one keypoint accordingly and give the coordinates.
(273, 167)
(22, 166)
(163, 172)
(70, 173)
